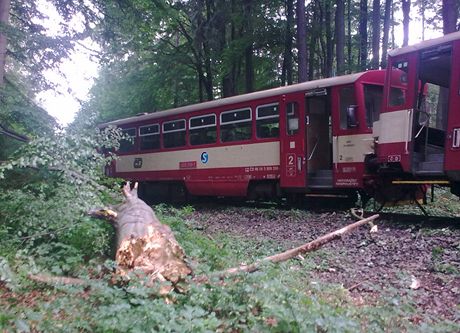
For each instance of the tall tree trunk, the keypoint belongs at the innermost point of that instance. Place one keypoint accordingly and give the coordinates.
(422, 14)
(4, 16)
(312, 48)
(286, 75)
(375, 34)
(322, 50)
(449, 15)
(329, 42)
(406, 20)
(386, 31)
(199, 71)
(393, 45)
(362, 35)
(340, 36)
(248, 52)
(302, 40)
(226, 24)
(349, 44)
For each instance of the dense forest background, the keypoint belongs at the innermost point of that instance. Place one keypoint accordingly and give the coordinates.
(156, 55)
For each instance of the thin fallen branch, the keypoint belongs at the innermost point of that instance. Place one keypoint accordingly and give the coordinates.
(308, 247)
(49, 279)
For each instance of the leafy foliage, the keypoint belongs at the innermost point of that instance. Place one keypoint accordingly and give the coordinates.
(43, 212)
(277, 299)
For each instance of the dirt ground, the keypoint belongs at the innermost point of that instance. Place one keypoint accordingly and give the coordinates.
(415, 256)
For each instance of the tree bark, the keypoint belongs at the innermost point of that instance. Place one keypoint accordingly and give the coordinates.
(248, 52)
(340, 36)
(308, 247)
(349, 39)
(229, 80)
(449, 16)
(313, 49)
(363, 35)
(406, 20)
(375, 34)
(386, 31)
(286, 75)
(321, 48)
(422, 14)
(302, 41)
(4, 17)
(329, 41)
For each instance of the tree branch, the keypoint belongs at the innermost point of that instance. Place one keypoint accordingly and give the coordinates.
(308, 247)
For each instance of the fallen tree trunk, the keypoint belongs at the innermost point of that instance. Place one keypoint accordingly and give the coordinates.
(143, 243)
(308, 247)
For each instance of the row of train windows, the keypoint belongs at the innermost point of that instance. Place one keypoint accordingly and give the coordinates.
(235, 125)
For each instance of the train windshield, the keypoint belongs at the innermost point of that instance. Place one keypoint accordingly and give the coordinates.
(373, 95)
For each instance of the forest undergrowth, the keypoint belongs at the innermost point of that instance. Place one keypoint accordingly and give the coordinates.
(296, 296)
(359, 283)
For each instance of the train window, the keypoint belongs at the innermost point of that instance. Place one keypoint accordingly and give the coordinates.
(127, 144)
(236, 125)
(174, 133)
(373, 95)
(267, 121)
(203, 130)
(347, 100)
(398, 84)
(292, 118)
(149, 137)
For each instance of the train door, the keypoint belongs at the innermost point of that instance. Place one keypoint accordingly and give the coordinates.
(319, 139)
(432, 110)
(452, 158)
(292, 142)
(349, 140)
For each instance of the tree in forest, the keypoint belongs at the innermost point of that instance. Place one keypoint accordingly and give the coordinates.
(248, 51)
(450, 14)
(363, 34)
(406, 21)
(27, 51)
(329, 41)
(4, 15)
(349, 36)
(286, 74)
(301, 41)
(375, 34)
(386, 31)
(340, 36)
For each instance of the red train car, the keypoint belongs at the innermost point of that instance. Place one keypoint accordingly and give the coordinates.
(418, 133)
(308, 138)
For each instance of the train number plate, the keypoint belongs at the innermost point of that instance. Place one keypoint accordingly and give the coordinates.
(394, 158)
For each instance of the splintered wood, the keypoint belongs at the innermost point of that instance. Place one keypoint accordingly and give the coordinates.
(144, 244)
(156, 254)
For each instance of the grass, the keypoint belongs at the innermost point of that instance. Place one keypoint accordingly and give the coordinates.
(279, 298)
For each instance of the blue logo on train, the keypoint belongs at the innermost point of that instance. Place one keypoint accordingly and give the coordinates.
(204, 157)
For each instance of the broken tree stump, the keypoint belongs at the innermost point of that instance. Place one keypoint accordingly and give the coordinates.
(143, 242)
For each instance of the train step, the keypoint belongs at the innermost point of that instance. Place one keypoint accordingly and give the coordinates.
(320, 179)
(430, 168)
(435, 158)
